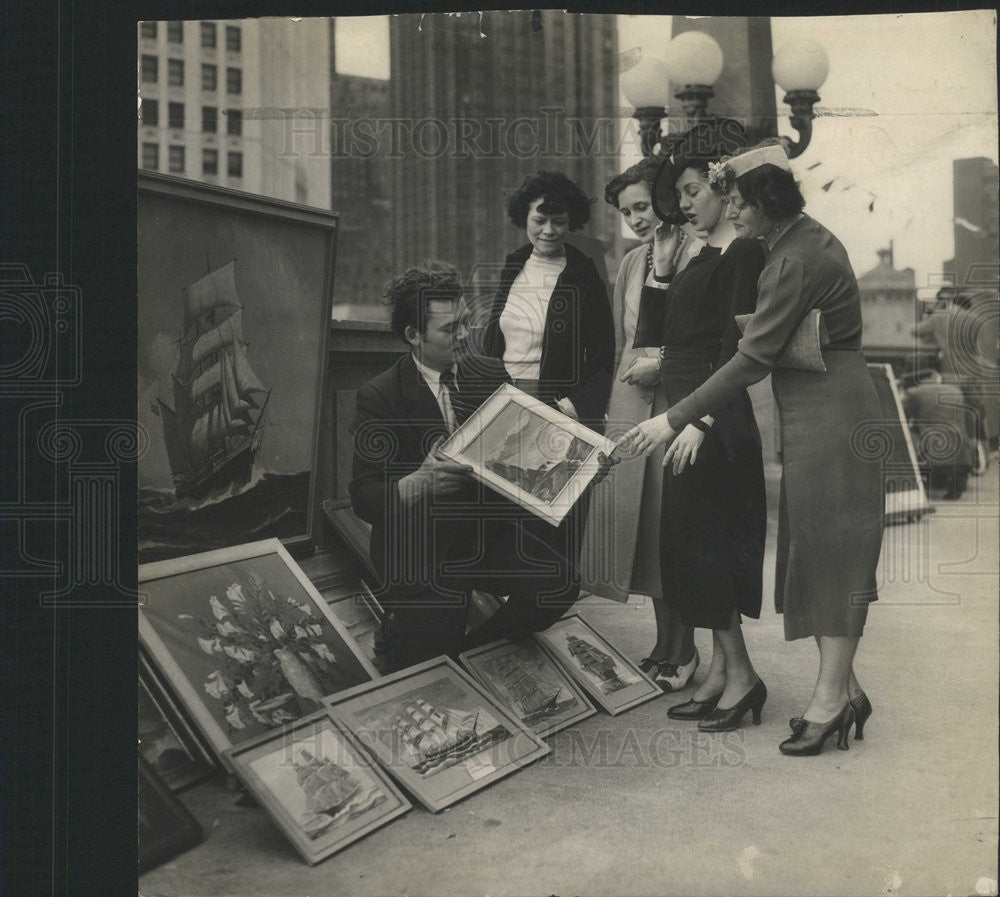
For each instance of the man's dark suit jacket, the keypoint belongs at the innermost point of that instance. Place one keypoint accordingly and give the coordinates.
(396, 422)
(578, 340)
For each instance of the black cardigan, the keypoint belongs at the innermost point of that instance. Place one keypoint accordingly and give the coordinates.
(578, 341)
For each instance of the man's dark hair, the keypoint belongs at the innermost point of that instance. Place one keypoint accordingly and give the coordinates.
(411, 294)
(560, 195)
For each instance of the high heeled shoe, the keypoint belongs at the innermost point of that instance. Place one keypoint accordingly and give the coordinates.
(809, 738)
(725, 720)
(862, 710)
(694, 709)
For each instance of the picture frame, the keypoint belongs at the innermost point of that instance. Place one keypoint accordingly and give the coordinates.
(166, 826)
(244, 640)
(317, 785)
(166, 740)
(529, 682)
(610, 678)
(528, 452)
(436, 731)
(352, 602)
(235, 293)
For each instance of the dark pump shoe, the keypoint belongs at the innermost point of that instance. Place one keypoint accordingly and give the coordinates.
(694, 709)
(862, 710)
(808, 739)
(726, 720)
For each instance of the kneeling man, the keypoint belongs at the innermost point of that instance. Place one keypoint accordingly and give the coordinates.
(436, 532)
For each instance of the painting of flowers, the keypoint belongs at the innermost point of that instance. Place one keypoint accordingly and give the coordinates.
(245, 639)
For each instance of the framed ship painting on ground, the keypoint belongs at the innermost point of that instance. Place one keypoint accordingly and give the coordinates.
(234, 301)
(244, 640)
(526, 680)
(612, 680)
(528, 452)
(436, 731)
(317, 785)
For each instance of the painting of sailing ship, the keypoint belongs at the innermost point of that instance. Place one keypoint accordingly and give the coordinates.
(531, 453)
(317, 785)
(245, 640)
(234, 306)
(612, 680)
(436, 731)
(529, 683)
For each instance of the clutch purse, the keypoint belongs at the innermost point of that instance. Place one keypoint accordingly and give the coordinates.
(803, 352)
(649, 321)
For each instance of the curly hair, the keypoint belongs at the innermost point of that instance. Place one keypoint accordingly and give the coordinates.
(772, 190)
(643, 172)
(410, 294)
(559, 193)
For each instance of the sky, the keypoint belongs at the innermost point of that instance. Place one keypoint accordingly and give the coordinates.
(930, 79)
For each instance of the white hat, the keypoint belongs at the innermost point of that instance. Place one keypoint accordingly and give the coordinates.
(773, 154)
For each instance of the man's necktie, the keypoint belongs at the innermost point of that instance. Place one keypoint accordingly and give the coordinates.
(447, 385)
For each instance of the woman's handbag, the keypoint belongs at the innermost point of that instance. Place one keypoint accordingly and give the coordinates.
(649, 321)
(804, 351)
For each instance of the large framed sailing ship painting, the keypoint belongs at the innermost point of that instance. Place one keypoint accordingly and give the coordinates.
(609, 677)
(436, 731)
(524, 678)
(244, 640)
(318, 785)
(234, 302)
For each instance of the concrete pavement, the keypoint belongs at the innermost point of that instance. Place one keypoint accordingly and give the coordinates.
(641, 804)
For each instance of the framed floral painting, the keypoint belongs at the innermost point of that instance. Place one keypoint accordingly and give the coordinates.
(244, 640)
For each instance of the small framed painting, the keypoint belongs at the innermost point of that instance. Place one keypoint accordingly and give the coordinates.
(532, 685)
(528, 452)
(244, 640)
(612, 680)
(317, 785)
(437, 731)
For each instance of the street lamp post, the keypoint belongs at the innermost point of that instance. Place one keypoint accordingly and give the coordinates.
(694, 61)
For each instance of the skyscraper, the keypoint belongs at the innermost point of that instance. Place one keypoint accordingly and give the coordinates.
(480, 100)
(224, 101)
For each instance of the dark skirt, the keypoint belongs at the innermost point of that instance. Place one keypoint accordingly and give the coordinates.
(713, 515)
(831, 507)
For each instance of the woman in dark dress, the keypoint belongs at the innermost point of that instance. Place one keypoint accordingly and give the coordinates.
(713, 517)
(831, 508)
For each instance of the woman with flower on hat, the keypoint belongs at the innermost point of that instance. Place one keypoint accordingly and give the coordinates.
(712, 514)
(831, 507)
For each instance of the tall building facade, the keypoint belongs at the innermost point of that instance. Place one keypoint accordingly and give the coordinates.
(360, 189)
(977, 251)
(233, 103)
(479, 100)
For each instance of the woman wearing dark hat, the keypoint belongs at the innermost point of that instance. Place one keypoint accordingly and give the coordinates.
(830, 520)
(621, 550)
(713, 517)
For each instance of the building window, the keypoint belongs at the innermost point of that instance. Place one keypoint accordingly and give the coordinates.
(234, 122)
(209, 119)
(234, 80)
(175, 159)
(209, 161)
(208, 34)
(150, 69)
(175, 116)
(175, 72)
(233, 39)
(209, 77)
(235, 165)
(175, 32)
(150, 113)
(150, 156)
(148, 29)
